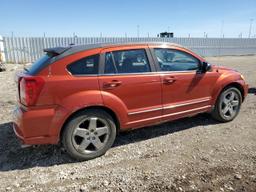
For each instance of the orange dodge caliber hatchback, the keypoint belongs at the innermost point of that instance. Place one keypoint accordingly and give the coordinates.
(83, 95)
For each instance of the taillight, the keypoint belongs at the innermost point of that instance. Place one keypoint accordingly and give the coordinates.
(30, 88)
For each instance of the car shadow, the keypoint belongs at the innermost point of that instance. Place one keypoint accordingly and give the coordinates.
(252, 90)
(13, 157)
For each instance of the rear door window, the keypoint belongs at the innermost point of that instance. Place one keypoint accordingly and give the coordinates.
(85, 66)
(127, 61)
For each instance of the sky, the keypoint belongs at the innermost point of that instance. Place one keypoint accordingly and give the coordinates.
(131, 18)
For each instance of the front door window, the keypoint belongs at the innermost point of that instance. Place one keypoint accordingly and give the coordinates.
(174, 60)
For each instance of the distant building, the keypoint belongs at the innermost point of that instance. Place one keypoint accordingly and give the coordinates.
(166, 35)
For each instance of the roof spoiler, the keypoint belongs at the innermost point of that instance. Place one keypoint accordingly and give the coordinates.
(56, 50)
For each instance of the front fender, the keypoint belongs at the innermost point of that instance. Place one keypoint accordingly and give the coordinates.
(223, 81)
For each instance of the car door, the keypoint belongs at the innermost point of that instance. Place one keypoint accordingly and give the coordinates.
(185, 90)
(128, 80)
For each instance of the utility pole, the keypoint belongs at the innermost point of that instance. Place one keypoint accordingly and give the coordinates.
(221, 35)
(250, 28)
(221, 29)
(138, 30)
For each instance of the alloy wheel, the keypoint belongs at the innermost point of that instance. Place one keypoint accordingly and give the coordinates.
(91, 135)
(229, 106)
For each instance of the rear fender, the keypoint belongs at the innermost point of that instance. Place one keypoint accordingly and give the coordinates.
(71, 104)
(114, 103)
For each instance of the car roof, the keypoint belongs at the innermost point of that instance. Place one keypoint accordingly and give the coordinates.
(61, 52)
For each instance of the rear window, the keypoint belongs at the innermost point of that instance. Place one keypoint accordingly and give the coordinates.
(39, 64)
(86, 66)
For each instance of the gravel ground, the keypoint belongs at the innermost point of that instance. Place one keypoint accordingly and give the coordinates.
(191, 154)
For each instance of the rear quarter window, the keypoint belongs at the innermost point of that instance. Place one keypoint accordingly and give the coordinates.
(37, 66)
(85, 66)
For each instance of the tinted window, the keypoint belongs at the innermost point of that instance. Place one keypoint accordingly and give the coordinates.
(174, 60)
(109, 64)
(129, 61)
(86, 66)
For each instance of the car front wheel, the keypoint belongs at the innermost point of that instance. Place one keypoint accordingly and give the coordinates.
(228, 105)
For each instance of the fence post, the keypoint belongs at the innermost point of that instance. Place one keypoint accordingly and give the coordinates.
(2, 54)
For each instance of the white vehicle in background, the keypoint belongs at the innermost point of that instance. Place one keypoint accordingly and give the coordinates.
(2, 58)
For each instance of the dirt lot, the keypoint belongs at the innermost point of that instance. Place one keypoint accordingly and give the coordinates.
(192, 154)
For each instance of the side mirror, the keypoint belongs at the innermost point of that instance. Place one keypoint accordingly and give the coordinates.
(205, 67)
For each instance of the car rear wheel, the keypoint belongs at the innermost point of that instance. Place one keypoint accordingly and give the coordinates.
(228, 105)
(89, 134)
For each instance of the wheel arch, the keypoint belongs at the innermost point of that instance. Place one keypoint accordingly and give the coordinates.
(103, 108)
(236, 85)
(216, 110)
(230, 84)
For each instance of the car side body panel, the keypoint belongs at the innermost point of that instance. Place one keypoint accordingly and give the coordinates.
(140, 100)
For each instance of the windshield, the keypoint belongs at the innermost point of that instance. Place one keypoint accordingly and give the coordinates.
(39, 64)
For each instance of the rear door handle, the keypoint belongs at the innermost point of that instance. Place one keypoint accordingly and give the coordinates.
(112, 84)
(169, 80)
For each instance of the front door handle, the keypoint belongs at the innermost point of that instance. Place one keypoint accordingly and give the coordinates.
(169, 80)
(112, 84)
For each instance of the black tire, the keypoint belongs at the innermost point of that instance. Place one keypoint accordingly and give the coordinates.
(2, 67)
(218, 113)
(70, 140)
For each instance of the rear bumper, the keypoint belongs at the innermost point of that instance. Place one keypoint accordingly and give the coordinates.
(34, 126)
